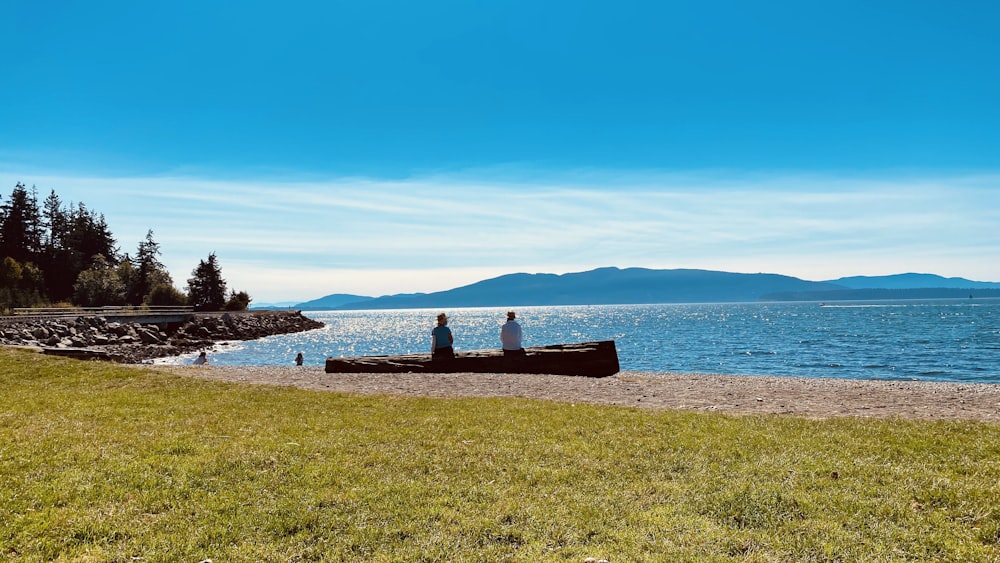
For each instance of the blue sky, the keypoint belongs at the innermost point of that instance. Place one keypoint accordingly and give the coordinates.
(381, 147)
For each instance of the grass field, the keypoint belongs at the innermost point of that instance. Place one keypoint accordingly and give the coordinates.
(100, 462)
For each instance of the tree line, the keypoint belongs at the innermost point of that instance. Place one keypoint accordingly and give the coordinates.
(57, 254)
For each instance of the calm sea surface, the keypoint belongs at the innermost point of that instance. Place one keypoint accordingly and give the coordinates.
(940, 340)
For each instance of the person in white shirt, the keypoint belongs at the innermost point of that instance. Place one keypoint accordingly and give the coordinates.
(510, 336)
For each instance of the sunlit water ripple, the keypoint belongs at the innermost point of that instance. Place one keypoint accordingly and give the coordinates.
(940, 340)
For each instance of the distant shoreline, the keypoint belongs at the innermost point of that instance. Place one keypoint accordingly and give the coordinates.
(964, 296)
(644, 286)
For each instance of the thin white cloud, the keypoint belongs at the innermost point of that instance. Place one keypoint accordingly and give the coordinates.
(300, 240)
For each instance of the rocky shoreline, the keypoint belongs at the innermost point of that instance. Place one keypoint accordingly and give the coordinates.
(133, 342)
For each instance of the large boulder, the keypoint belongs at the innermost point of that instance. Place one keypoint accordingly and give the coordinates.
(148, 335)
(117, 329)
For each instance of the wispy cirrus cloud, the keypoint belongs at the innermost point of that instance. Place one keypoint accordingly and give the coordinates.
(288, 240)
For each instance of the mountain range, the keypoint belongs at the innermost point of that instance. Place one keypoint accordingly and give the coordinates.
(607, 286)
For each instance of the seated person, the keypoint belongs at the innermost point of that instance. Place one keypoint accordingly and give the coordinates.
(442, 340)
(510, 336)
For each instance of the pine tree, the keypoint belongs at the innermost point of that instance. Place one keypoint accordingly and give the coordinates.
(148, 270)
(206, 288)
(21, 226)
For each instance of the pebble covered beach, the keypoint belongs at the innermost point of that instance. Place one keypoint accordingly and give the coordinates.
(805, 397)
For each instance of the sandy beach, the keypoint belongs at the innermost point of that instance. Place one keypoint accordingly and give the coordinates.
(804, 397)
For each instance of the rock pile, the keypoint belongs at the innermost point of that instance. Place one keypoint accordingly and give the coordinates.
(135, 342)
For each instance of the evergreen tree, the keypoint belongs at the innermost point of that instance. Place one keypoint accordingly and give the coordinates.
(55, 222)
(57, 254)
(206, 288)
(56, 258)
(73, 239)
(91, 237)
(21, 226)
(127, 275)
(148, 270)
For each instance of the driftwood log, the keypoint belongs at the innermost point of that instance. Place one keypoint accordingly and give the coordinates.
(590, 359)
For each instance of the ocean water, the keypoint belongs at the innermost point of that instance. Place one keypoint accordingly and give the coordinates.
(937, 340)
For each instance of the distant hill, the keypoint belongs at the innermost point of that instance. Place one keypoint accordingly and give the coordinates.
(884, 294)
(331, 302)
(603, 286)
(614, 286)
(276, 305)
(898, 286)
(911, 281)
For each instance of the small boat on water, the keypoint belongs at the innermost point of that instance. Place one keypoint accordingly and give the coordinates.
(588, 359)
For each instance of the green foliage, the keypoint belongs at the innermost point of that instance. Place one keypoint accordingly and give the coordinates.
(20, 285)
(112, 463)
(126, 274)
(75, 237)
(32, 279)
(165, 294)
(99, 285)
(104, 284)
(58, 242)
(206, 287)
(10, 273)
(238, 301)
(57, 247)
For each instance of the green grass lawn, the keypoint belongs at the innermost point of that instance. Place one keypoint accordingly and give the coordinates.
(100, 462)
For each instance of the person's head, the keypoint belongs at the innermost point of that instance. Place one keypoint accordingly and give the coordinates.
(510, 315)
(203, 354)
(442, 319)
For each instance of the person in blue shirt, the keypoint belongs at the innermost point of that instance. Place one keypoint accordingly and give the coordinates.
(442, 339)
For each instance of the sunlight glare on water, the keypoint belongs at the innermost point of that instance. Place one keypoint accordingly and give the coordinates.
(948, 340)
